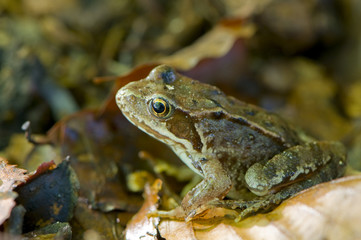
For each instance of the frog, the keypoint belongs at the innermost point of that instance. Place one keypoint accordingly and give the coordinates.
(250, 159)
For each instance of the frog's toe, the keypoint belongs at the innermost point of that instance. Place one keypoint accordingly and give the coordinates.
(177, 214)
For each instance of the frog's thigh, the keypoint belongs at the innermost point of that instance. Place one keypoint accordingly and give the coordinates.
(269, 202)
(296, 164)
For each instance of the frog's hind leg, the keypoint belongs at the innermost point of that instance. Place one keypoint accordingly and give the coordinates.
(269, 202)
(296, 164)
(318, 161)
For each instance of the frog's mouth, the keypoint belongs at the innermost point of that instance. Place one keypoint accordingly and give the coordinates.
(126, 99)
(174, 145)
(127, 102)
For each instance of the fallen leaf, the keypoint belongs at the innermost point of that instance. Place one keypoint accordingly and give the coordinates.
(140, 226)
(42, 168)
(326, 211)
(106, 225)
(49, 196)
(214, 44)
(58, 230)
(100, 146)
(10, 177)
(7, 203)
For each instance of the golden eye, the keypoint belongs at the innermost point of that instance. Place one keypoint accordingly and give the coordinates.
(160, 108)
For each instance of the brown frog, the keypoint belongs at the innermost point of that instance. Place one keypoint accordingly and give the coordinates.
(236, 147)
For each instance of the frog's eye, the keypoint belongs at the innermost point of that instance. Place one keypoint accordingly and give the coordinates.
(160, 108)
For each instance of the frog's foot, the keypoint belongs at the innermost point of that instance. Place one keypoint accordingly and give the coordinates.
(263, 205)
(179, 214)
(245, 207)
(204, 212)
(233, 204)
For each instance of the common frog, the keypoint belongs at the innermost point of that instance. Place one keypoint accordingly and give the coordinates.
(236, 147)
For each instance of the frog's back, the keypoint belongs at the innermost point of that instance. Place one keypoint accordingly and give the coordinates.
(200, 101)
(209, 102)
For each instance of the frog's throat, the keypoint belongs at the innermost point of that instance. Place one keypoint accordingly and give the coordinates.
(186, 159)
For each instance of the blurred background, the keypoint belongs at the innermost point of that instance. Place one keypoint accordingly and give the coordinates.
(61, 63)
(50, 51)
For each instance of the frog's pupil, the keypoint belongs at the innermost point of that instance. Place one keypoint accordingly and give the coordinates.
(158, 107)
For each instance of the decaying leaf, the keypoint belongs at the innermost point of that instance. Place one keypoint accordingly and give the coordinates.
(49, 196)
(7, 203)
(100, 147)
(326, 211)
(10, 177)
(216, 43)
(58, 230)
(107, 225)
(140, 226)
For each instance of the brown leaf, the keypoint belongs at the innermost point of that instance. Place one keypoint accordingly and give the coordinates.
(42, 168)
(93, 222)
(10, 176)
(215, 44)
(49, 196)
(96, 144)
(7, 203)
(140, 226)
(326, 211)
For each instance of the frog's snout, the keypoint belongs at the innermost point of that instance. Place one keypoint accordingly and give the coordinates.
(124, 97)
(119, 97)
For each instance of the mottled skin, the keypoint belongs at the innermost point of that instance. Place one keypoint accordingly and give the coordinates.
(235, 146)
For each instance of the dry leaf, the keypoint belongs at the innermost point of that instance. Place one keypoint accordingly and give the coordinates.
(7, 203)
(92, 222)
(10, 176)
(50, 195)
(216, 43)
(140, 226)
(97, 144)
(326, 211)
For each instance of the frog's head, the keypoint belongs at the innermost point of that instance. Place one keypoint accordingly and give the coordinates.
(166, 105)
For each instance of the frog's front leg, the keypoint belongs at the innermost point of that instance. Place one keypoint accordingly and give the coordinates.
(215, 185)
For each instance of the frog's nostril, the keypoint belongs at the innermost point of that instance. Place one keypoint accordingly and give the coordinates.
(123, 95)
(131, 99)
(118, 98)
